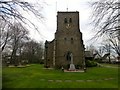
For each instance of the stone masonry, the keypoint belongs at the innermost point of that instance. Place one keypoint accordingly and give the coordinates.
(68, 39)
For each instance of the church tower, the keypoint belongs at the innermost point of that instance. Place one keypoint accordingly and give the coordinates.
(68, 41)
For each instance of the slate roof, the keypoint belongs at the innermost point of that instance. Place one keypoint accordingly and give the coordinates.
(88, 54)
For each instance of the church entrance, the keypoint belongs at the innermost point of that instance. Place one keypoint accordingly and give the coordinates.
(68, 57)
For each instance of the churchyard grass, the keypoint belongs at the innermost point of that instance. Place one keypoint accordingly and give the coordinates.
(35, 76)
(112, 65)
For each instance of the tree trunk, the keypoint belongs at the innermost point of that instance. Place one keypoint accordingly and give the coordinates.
(13, 55)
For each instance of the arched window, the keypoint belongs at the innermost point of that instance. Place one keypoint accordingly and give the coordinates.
(70, 20)
(65, 39)
(65, 20)
(72, 41)
(68, 57)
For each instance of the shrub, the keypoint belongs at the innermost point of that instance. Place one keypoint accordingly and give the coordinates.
(77, 66)
(58, 67)
(99, 60)
(64, 66)
(91, 63)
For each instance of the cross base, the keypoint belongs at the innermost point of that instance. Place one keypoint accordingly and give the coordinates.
(72, 67)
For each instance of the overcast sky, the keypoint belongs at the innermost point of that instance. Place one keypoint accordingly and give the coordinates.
(48, 27)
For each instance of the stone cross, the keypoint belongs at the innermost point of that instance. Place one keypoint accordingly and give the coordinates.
(71, 57)
(72, 66)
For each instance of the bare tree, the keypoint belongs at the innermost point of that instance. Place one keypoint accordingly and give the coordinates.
(13, 37)
(100, 51)
(115, 44)
(19, 34)
(5, 34)
(11, 9)
(91, 48)
(106, 17)
(33, 51)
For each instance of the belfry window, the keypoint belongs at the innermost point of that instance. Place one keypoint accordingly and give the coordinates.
(65, 39)
(70, 20)
(65, 20)
(71, 40)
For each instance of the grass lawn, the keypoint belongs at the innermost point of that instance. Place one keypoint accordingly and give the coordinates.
(0, 76)
(35, 76)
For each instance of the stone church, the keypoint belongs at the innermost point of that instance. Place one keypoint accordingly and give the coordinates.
(67, 47)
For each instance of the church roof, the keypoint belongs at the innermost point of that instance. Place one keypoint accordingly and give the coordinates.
(88, 54)
(68, 12)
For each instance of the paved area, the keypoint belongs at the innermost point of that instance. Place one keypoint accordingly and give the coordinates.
(88, 80)
(74, 71)
(108, 66)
